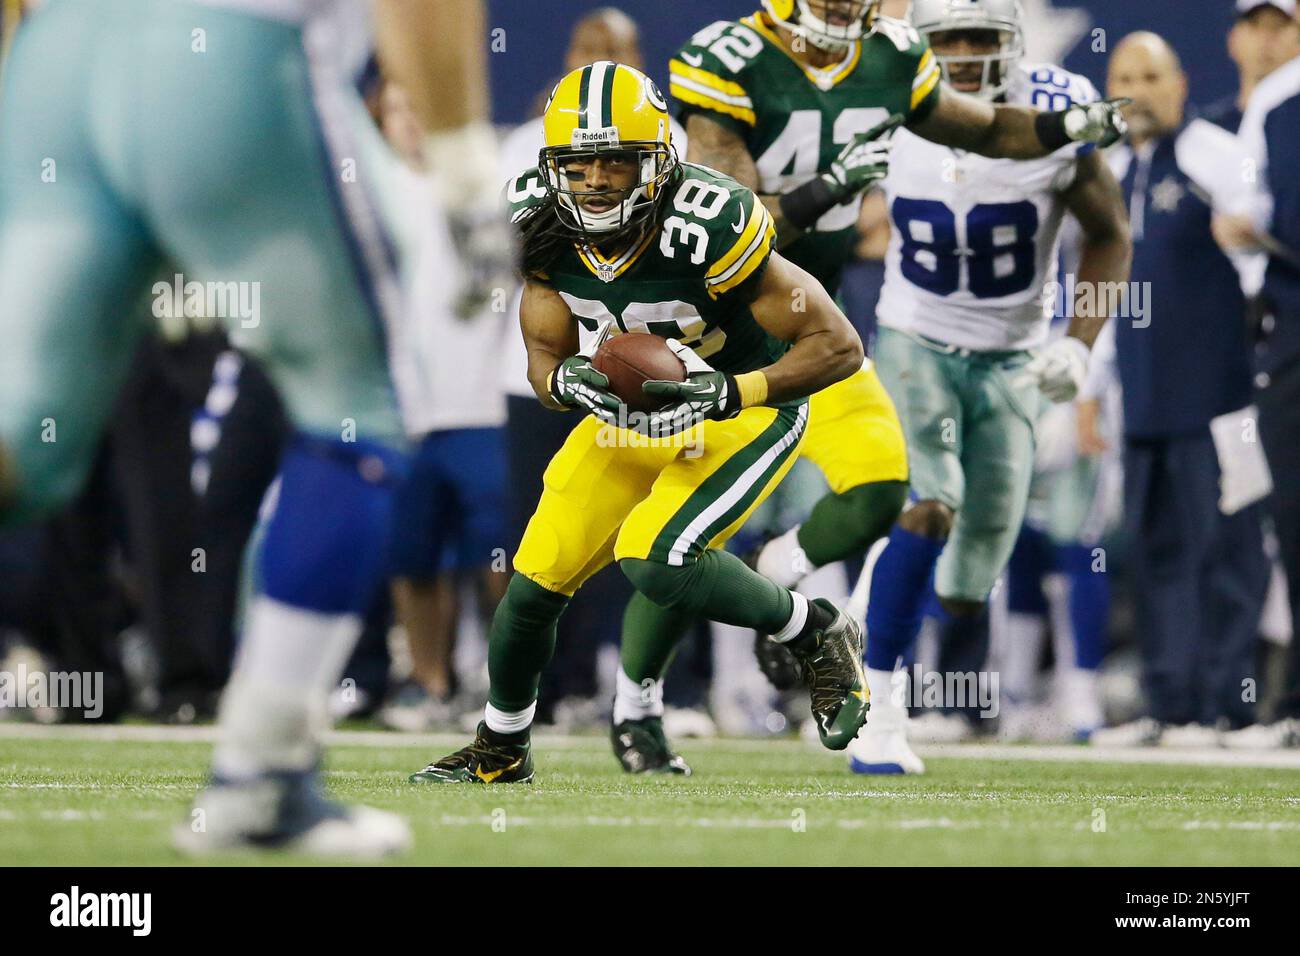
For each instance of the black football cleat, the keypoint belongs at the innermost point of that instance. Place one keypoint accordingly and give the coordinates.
(831, 662)
(641, 747)
(776, 662)
(489, 759)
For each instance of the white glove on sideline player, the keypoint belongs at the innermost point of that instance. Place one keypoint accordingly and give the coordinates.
(1058, 370)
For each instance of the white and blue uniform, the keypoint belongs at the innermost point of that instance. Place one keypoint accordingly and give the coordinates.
(218, 136)
(974, 245)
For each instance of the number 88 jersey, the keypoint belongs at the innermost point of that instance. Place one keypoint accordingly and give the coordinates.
(974, 240)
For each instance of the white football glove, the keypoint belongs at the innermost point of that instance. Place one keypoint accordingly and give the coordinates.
(1058, 370)
(469, 193)
(863, 161)
(576, 383)
(706, 394)
(1101, 122)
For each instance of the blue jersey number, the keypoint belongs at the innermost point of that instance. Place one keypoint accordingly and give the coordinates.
(1051, 90)
(1000, 237)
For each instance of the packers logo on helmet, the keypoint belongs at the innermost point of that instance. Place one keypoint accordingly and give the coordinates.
(841, 23)
(610, 112)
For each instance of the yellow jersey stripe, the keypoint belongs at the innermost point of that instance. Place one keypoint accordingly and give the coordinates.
(759, 22)
(704, 77)
(743, 102)
(927, 61)
(754, 222)
(759, 256)
(755, 257)
(921, 92)
(687, 95)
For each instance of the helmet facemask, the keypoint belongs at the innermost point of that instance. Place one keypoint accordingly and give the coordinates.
(631, 208)
(997, 67)
(802, 21)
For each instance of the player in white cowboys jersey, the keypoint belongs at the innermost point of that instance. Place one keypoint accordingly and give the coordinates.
(962, 342)
(230, 153)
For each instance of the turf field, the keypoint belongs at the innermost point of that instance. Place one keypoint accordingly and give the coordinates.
(106, 797)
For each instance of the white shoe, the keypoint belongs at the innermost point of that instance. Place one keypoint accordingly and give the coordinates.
(934, 727)
(881, 747)
(1274, 736)
(1190, 735)
(287, 813)
(1080, 702)
(1143, 732)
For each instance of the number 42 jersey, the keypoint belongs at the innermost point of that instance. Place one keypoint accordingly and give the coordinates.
(974, 240)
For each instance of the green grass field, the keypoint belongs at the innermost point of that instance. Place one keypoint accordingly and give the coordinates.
(77, 801)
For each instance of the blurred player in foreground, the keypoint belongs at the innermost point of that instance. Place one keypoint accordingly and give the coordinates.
(962, 319)
(230, 154)
(618, 233)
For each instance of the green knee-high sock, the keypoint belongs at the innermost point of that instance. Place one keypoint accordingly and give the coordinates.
(521, 642)
(650, 637)
(846, 524)
(717, 585)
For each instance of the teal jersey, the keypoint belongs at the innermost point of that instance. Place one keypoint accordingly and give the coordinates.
(691, 278)
(796, 119)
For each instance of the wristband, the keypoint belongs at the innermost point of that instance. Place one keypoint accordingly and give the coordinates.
(752, 387)
(802, 207)
(1050, 128)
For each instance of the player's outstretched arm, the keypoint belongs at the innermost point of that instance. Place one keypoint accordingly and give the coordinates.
(861, 164)
(711, 144)
(794, 307)
(1097, 201)
(1003, 131)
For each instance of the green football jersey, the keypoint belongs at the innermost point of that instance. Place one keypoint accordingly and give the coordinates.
(796, 119)
(691, 278)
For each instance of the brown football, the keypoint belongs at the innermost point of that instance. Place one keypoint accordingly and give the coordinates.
(632, 358)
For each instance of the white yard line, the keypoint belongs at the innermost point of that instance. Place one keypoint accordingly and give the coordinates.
(1204, 756)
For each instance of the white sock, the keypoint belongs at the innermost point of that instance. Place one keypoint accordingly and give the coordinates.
(783, 561)
(887, 696)
(798, 618)
(273, 709)
(1020, 655)
(509, 721)
(857, 606)
(633, 701)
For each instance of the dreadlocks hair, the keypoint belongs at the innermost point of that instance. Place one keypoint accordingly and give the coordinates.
(543, 235)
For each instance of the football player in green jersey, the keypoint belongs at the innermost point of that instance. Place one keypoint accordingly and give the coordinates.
(618, 234)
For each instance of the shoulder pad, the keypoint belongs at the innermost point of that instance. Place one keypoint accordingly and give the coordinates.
(525, 191)
(709, 72)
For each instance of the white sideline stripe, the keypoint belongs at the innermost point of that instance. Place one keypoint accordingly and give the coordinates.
(1063, 753)
(744, 484)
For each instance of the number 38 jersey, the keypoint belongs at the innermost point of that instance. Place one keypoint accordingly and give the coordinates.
(796, 119)
(975, 240)
(691, 278)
